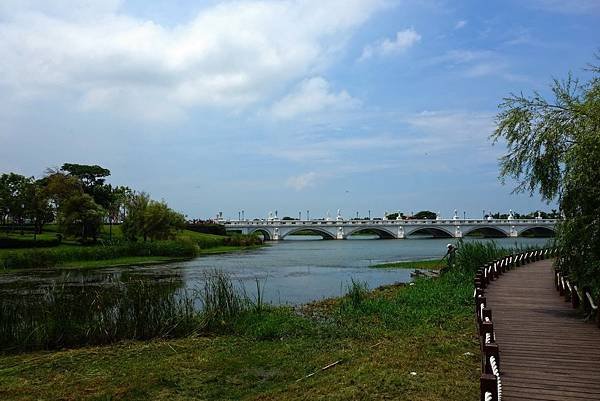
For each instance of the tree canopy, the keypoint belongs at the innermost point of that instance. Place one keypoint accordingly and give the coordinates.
(553, 147)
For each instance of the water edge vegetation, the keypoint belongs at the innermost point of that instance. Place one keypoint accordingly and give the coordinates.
(414, 342)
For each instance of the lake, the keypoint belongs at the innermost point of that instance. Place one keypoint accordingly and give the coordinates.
(289, 272)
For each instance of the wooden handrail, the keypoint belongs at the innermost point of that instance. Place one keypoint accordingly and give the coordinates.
(490, 382)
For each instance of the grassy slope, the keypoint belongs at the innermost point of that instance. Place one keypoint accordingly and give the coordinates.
(426, 328)
(211, 239)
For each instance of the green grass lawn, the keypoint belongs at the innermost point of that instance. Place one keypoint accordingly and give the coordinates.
(398, 343)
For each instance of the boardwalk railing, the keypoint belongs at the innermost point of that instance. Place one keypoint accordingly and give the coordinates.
(577, 296)
(490, 381)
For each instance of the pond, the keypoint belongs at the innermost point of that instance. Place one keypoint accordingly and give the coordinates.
(289, 272)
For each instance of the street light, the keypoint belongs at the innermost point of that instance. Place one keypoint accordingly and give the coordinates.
(369, 214)
(299, 215)
(307, 214)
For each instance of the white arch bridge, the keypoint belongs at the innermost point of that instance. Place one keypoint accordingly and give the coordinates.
(276, 230)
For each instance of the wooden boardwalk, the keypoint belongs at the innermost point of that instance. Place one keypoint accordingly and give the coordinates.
(546, 351)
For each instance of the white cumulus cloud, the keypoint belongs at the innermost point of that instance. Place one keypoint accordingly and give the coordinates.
(403, 40)
(302, 181)
(229, 55)
(312, 96)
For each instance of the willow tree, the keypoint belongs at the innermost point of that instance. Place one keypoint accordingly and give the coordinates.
(553, 147)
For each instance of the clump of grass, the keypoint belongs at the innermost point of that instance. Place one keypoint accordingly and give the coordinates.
(221, 301)
(356, 293)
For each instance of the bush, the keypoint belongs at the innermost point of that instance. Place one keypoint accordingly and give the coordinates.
(15, 242)
(207, 228)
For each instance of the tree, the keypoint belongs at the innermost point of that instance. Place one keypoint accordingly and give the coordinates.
(116, 204)
(553, 147)
(90, 175)
(13, 192)
(150, 219)
(81, 217)
(425, 214)
(38, 209)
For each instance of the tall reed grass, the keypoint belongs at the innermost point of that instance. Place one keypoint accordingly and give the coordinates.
(100, 313)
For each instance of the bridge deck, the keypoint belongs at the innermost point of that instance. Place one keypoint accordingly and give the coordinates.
(546, 351)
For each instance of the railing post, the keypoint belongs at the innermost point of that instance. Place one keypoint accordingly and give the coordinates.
(490, 350)
(488, 384)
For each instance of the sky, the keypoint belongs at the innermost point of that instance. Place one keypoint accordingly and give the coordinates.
(287, 105)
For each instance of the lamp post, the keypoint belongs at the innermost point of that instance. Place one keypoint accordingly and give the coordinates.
(369, 214)
(299, 215)
(307, 214)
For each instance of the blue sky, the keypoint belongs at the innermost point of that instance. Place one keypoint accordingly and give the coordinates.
(284, 105)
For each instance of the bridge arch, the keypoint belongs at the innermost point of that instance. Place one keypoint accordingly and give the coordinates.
(265, 233)
(537, 231)
(436, 232)
(381, 232)
(486, 231)
(318, 231)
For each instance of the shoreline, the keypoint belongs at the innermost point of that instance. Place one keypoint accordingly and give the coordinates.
(133, 261)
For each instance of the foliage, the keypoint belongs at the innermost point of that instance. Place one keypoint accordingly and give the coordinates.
(150, 219)
(81, 217)
(425, 214)
(207, 228)
(554, 148)
(87, 314)
(41, 258)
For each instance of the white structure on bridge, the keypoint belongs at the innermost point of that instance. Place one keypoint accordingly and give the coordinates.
(275, 229)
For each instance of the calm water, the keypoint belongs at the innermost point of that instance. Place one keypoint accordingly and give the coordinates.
(290, 272)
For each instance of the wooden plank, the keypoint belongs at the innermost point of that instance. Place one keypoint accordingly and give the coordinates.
(547, 352)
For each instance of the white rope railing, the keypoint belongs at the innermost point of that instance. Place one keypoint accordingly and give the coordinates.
(496, 373)
(491, 384)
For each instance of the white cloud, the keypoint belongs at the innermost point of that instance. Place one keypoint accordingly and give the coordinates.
(229, 55)
(460, 24)
(312, 96)
(404, 40)
(302, 181)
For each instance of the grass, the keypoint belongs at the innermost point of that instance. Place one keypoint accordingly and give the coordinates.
(380, 340)
(124, 261)
(116, 251)
(416, 342)
(417, 264)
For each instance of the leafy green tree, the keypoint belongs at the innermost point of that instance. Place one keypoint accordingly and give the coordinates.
(425, 214)
(149, 219)
(553, 146)
(81, 217)
(90, 175)
(92, 178)
(38, 208)
(13, 192)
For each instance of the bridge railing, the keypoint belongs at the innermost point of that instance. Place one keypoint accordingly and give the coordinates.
(388, 222)
(490, 380)
(576, 295)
